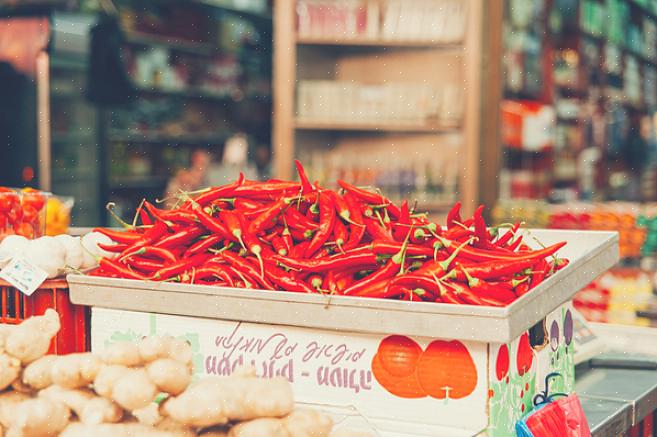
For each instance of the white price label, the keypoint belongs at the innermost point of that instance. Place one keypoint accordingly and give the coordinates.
(23, 275)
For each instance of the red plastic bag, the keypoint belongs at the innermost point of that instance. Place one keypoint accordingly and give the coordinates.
(548, 421)
(562, 417)
(576, 421)
(553, 415)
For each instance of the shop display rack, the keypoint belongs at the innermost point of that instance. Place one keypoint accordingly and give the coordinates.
(375, 58)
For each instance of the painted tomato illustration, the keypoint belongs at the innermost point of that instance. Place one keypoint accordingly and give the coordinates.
(525, 356)
(399, 355)
(502, 364)
(407, 387)
(446, 370)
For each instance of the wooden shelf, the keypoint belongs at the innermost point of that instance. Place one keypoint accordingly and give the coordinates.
(176, 44)
(156, 138)
(137, 183)
(366, 42)
(373, 127)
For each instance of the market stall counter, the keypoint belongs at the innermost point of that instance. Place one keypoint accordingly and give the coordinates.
(350, 355)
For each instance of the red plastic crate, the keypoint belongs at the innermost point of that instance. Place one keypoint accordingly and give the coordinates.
(73, 335)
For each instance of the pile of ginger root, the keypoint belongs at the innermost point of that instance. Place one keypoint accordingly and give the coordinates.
(118, 392)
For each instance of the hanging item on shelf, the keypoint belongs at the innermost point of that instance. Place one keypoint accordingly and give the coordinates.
(108, 81)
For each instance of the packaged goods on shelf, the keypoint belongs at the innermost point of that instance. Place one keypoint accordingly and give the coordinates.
(434, 183)
(617, 296)
(625, 218)
(439, 21)
(404, 104)
(527, 125)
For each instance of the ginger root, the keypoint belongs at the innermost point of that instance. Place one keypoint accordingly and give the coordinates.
(38, 417)
(170, 376)
(215, 401)
(117, 430)
(38, 374)
(134, 390)
(89, 408)
(75, 370)
(299, 423)
(122, 354)
(106, 379)
(10, 370)
(8, 402)
(31, 339)
(153, 348)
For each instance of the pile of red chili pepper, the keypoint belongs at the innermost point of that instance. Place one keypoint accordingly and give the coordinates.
(300, 237)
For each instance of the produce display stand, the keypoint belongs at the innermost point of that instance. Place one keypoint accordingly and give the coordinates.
(454, 370)
(16, 307)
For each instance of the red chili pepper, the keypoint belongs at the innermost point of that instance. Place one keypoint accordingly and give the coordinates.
(365, 196)
(488, 292)
(506, 237)
(493, 269)
(403, 226)
(386, 272)
(363, 260)
(357, 231)
(340, 234)
(203, 245)
(212, 224)
(243, 266)
(114, 248)
(180, 267)
(266, 219)
(298, 250)
(326, 222)
(144, 217)
(482, 255)
(454, 216)
(127, 237)
(285, 280)
(257, 249)
(540, 271)
(243, 203)
(286, 236)
(279, 245)
(213, 194)
(376, 231)
(120, 269)
(390, 248)
(341, 206)
(522, 289)
(233, 223)
(513, 246)
(181, 238)
(480, 229)
(145, 265)
(379, 290)
(267, 190)
(306, 186)
(157, 252)
(418, 281)
(463, 294)
(296, 220)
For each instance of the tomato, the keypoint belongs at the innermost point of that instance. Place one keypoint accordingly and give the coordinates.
(15, 214)
(8, 198)
(30, 214)
(24, 229)
(33, 198)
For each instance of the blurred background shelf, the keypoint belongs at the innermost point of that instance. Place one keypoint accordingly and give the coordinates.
(375, 127)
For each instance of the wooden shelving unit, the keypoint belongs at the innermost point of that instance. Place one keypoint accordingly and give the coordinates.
(379, 60)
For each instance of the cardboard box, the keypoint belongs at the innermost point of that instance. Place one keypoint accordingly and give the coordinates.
(392, 384)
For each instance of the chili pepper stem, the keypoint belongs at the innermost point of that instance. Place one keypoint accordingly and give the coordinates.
(446, 263)
(461, 225)
(110, 208)
(139, 208)
(400, 257)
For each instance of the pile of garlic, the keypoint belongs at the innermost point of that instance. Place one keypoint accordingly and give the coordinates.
(56, 255)
(114, 393)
